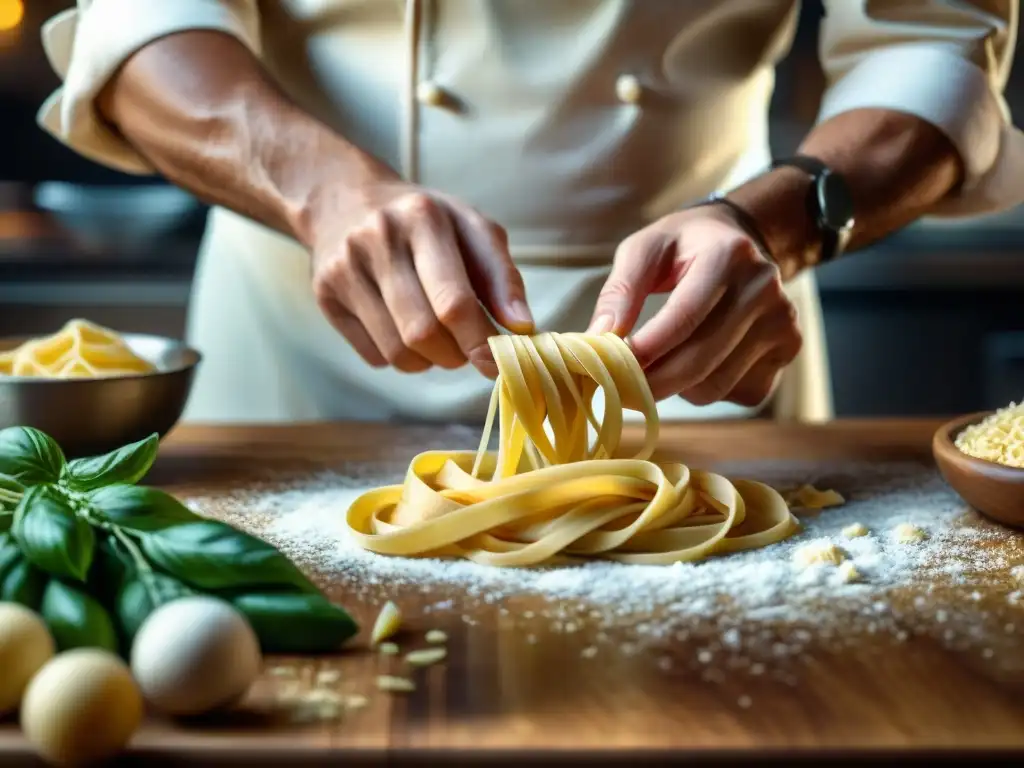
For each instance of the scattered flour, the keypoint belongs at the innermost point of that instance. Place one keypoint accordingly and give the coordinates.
(737, 600)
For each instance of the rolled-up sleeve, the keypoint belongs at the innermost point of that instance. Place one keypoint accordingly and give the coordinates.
(86, 45)
(944, 61)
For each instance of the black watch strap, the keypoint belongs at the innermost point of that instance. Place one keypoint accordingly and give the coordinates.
(829, 203)
(812, 166)
(744, 219)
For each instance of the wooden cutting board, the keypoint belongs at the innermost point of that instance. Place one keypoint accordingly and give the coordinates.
(514, 683)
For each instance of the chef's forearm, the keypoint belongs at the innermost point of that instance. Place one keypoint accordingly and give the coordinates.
(897, 166)
(201, 109)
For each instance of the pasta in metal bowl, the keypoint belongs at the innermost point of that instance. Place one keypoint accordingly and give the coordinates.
(79, 350)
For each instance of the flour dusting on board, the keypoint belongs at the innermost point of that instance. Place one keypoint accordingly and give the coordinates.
(729, 600)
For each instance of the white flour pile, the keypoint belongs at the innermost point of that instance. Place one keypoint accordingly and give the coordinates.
(309, 524)
(733, 601)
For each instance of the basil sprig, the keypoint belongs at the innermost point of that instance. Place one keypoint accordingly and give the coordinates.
(96, 554)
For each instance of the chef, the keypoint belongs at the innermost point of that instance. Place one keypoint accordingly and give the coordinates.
(394, 181)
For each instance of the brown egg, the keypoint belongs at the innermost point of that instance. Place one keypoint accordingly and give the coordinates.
(81, 707)
(25, 646)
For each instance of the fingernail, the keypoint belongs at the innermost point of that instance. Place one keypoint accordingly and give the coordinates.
(520, 312)
(602, 324)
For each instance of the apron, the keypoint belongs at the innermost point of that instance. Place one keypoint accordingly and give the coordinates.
(570, 124)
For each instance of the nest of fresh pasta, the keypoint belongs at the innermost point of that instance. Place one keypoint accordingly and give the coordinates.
(560, 487)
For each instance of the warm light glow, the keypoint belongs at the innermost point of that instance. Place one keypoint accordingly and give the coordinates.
(11, 14)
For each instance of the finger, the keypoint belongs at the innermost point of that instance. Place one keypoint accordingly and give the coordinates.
(758, 383)
(773, 338)
(491, 270)
(639, 265)
(723, 379)
(698, 292)
(721, 331)
(411, 311)
(358, 292)
(345, 323)
(442, 273)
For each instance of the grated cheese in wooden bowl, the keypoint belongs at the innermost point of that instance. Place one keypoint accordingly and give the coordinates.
(998, 438)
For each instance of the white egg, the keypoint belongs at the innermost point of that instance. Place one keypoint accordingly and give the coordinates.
(195, 655)
(81, 707)
(25, 646)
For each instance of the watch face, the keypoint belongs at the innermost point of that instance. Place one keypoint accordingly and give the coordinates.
(834, 202)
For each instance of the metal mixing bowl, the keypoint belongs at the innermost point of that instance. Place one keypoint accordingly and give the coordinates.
(88, 417)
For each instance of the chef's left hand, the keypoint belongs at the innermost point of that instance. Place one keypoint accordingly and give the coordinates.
(726, 331)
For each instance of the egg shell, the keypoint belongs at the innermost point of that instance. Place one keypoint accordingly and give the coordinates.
(25, 646)
(81, 707)
(195, 655)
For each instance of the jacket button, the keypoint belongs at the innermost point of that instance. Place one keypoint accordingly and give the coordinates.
(628, 89)
(430, 94)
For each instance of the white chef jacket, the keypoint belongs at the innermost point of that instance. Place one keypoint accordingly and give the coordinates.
(572, 124)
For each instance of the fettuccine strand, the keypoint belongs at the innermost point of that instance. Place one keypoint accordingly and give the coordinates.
(548, 495)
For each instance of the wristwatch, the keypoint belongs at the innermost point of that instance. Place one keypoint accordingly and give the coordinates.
(829, 202)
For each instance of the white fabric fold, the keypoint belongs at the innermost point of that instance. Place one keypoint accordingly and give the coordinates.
(945, 62)
(88, 44)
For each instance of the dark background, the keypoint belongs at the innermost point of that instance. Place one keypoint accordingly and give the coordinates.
(929, 322)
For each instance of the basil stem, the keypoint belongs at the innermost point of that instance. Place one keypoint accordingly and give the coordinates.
(142, 567)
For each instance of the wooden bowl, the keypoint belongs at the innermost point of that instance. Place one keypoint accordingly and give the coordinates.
(995, 490)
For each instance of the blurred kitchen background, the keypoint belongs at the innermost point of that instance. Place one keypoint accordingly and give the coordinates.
(929, 322)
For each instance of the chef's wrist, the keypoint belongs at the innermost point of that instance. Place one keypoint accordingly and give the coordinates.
(776, 203)
(337, 182)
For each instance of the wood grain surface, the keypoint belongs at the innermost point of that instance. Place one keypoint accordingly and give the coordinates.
(498, 693)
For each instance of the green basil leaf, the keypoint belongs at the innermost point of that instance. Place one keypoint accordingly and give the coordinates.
(212, 555)
(23, 584)
(125, 465)
(110, 570)
(30, 456)
(114, 579)
(134, 602)
(140, 508)
(51, 535)
(6, 521)
(296, 623)
(10, 554)
(76, 619)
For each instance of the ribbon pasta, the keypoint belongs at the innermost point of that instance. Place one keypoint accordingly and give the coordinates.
(548, 495)
(79, 350)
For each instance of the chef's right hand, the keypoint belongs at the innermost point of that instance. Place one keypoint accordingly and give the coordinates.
(406, 274)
